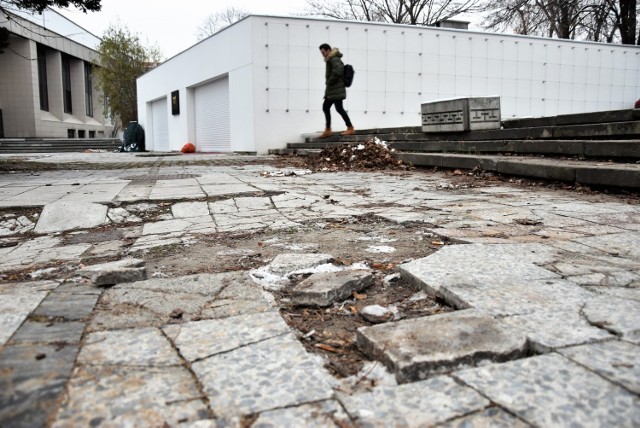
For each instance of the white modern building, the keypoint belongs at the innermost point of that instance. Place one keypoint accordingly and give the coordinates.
(47, 89)
(259, 84)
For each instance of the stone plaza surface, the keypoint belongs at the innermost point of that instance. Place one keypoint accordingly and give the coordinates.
(546, 284)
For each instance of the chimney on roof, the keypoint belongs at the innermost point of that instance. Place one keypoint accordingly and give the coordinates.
(450, 23)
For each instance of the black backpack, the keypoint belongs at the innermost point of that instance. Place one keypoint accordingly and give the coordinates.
(348, 75)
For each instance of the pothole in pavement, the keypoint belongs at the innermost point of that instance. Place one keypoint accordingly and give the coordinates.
(331, 331)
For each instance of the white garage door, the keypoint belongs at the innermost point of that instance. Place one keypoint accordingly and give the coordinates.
(212, 117)
(160, 125)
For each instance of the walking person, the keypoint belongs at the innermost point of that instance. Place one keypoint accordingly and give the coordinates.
(335, 91)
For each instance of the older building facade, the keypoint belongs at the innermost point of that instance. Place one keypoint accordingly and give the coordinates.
(47, 89)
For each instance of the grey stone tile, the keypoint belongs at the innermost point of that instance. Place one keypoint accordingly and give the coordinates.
(493, 417)
(135, 347)
(418, 404)
(32, 378)
(32, 333)
(615, 360)
(190, 209)
(321, 414)
(556, 328)
(480, 264)
(201, 339)
(518, 297)
(61, 216)
(130, 396)
(125, 270)
(67, 305)
(326, 288)
(417, 348)
(267, 375)
(616, 315)
(287, 263)
(623, 244)
(618, 292)
(550, 390)
(165, 226)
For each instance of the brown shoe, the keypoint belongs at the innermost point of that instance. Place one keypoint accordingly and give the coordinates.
(327, 133)
(349, 131)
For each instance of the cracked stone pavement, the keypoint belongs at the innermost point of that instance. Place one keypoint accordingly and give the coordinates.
(546, 284)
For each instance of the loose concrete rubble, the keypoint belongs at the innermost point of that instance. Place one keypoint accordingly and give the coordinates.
(126, 270)
(544, 284)
(324, 289)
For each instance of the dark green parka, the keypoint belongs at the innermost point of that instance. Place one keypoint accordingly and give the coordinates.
(334, 80)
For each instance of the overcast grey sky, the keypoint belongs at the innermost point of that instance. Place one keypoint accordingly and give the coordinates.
(171, 25)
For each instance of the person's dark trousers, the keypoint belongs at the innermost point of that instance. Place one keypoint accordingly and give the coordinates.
(326, 108)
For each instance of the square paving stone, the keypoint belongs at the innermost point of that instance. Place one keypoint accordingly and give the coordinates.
(417, 348)
(325, 288)
(130, 396)
(135, 347)
(480, 264)
(202, 339)
(419, 404)
(42, 333)
(67, 305)
(550, 390)
(623, 244)
(32, 378)
(615, 360)
(518, 297)
(321, 414)
(267, 375)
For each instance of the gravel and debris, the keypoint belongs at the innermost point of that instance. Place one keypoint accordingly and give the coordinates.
(372, 154)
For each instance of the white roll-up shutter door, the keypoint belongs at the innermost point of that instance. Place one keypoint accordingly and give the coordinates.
(213, 126)
(160, 125)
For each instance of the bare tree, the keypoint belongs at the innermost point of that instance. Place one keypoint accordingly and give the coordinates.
(414, 12)
(597, 20)
(219, 20)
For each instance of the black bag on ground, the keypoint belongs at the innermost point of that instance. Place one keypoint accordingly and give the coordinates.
(133, 138)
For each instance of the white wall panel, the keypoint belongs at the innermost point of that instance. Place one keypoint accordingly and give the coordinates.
(396, 66)
(160, 128)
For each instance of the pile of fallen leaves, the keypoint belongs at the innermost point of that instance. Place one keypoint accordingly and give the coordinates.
(372, 154)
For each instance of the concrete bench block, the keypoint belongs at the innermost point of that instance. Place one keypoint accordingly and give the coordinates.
(461, 114)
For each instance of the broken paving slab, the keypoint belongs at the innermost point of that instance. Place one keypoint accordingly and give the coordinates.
(320, 414)
(125, 270)
(619, 316)
(325, 288)
(267, 375)
(615, 360)
(417, 348)
(286, 263)
(156, 302)
(69, 215)
(201, 339)
(550, 390)
(132, 347)
(516, 298)
(130, 396)
(34, 333)
(480, 264)
(417, 404)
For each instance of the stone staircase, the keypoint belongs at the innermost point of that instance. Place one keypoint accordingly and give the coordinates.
(55, 145)
(597, 149)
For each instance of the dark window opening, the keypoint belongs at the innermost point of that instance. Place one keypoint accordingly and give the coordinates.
(71, 133)
(88, 88)
(43, 88)
(66, 84)
(92, 134)
(81, 133)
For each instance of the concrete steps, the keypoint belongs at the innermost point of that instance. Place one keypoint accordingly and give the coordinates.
(603, 147)
(57, 145)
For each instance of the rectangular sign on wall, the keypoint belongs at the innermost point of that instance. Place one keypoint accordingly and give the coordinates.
(175, 103)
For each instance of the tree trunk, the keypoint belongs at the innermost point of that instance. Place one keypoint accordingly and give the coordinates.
(628, 22)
